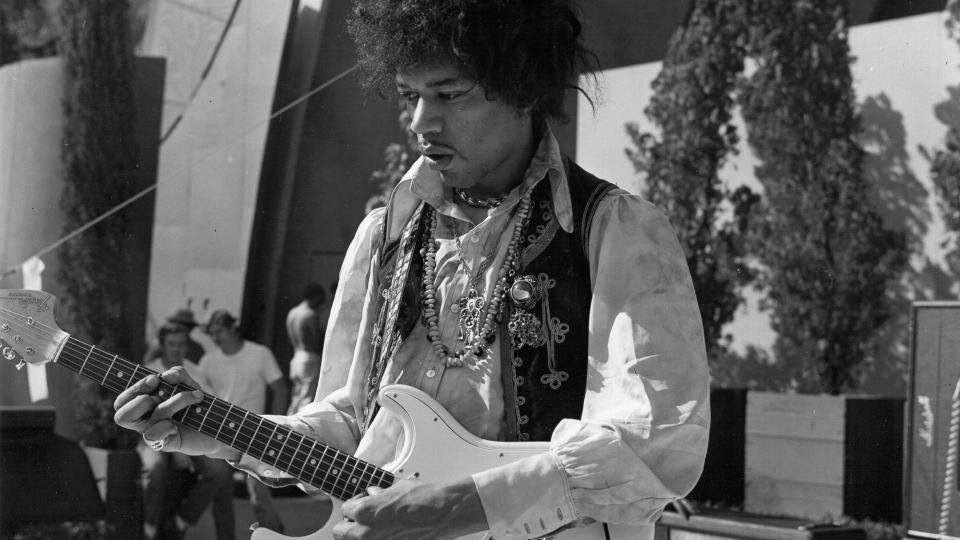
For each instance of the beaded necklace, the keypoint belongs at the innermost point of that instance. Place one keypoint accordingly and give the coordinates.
(488, 203)
(476, 342)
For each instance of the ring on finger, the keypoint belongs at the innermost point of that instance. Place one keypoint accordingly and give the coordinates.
(154, 445)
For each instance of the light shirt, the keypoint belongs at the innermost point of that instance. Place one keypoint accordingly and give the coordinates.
(242, 378)
(642, 437)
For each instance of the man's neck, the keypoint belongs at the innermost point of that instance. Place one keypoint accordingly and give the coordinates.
(232, 347)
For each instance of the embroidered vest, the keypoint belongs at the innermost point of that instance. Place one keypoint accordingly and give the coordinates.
(545, 383)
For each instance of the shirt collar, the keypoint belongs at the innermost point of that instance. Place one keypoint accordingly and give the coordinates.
(423, 183)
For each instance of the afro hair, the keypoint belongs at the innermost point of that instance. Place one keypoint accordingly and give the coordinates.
(525, 52)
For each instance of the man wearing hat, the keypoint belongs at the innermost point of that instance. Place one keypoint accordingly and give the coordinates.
(184, 317)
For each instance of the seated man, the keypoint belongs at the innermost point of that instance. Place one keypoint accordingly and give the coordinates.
(530, 299)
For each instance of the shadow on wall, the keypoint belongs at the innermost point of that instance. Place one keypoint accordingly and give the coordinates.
(905, 204)
(903, 201)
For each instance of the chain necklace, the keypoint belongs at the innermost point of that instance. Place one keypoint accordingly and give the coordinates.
(479, 335)
(469, 306)
(488, 203)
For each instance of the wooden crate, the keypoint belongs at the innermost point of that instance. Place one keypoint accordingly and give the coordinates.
(819, 456)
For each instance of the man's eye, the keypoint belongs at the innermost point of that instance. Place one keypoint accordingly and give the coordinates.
(449, 96)
(408, 98)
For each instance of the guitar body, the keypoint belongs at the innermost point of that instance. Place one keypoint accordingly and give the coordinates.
(436, 448)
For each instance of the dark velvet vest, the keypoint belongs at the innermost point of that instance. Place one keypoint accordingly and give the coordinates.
(546, 382)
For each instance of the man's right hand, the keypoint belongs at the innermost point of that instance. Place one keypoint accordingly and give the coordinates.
(140, 409)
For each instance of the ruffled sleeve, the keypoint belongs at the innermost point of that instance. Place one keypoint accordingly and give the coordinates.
(642, 438)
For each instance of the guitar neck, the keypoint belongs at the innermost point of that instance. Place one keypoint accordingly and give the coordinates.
(308, 460)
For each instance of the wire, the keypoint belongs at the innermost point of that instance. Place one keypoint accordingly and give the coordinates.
(950, 467)
(206, 70)
(153, 186)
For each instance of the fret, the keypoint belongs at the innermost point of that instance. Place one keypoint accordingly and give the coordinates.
(255, 431)
(122, 371)
(133, 376)
(237, 432)
(296, 450)
(332, 470)
(337, 472)
(226, 416)
(386, 478)
(315, 462)
(84, 363)
(285, 437)
(215, 415)
(109, 369)
(351, 479)
(205, 415)
(373, 477)
(364, 472)
(268, 450)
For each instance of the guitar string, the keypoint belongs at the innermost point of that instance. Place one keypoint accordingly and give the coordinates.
(222, 410)
(258, 446)
(262, 442)
(338, 462)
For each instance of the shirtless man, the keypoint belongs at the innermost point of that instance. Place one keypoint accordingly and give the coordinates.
(306, 324)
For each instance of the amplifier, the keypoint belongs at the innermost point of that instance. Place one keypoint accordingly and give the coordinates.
(931, 497)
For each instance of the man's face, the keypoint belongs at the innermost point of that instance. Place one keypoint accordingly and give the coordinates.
(220, 334)
(174, 348)
(472, 141)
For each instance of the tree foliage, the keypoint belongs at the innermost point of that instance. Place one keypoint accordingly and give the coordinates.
(99, 160)
(828, 259)
(397, 158)
(28, 29)
(692, 107)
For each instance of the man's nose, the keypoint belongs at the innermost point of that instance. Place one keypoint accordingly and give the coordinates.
(426, 118)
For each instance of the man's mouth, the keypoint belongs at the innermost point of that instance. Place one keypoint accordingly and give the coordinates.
(437, 159)
(438, 162)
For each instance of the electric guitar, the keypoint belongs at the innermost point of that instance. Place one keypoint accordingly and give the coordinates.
(435, 446)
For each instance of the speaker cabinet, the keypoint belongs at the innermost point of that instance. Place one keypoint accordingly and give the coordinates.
(931, 497)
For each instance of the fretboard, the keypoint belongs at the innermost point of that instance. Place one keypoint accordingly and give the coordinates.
(334, 472)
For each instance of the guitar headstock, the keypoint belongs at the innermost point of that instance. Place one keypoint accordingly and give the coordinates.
(28, 332)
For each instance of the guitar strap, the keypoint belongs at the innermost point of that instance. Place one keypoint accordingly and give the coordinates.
(386, 336)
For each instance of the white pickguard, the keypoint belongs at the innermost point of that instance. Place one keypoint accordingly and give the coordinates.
(430, 429)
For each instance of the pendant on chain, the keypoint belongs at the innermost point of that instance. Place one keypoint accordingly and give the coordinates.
(471, 314)
(524, 327)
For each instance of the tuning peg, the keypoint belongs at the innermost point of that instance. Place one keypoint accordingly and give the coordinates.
(20, 365)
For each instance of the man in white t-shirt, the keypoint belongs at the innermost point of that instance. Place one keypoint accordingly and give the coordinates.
(239, 372)
(165, 517)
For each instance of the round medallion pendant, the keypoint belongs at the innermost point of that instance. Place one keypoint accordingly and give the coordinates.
(526, 292)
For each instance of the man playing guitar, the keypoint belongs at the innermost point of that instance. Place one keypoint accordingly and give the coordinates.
(529, 299)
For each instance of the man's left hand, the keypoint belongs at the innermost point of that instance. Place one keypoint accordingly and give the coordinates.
(413, 510)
